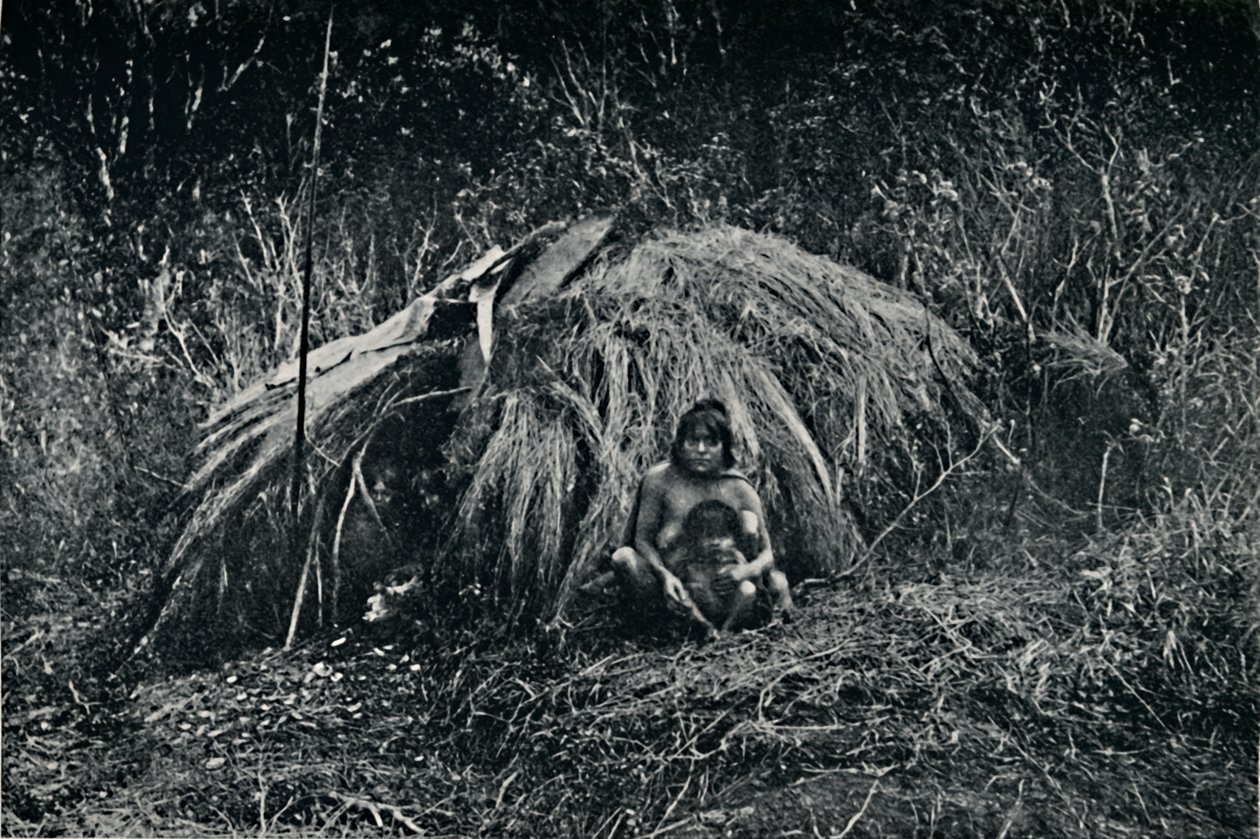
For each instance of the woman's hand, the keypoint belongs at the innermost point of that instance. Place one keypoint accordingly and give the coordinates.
(675, 591)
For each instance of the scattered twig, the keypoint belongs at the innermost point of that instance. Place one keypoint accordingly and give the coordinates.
(861, 812)
(163, 478)
(1112, 445)
(669, 828)
(375, 809)
(424, 397)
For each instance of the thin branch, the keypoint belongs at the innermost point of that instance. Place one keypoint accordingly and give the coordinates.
(304, 340)
(425, 397)
(356, 469)
(336, 546)
(300, 595)
(940, 479)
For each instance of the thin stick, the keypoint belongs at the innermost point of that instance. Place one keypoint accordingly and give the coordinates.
(859, 409)
(1102, 487)
(356, 470)
(297, 601)
(336, 547)
(304, 339)
(424, 397)
(319, 583)
(661, 831)
(299, 446)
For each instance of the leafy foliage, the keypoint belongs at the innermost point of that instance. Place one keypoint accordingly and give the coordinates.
(1072, 187)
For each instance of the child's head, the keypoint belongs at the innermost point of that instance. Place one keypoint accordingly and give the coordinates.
(703, 442)
(712, 524)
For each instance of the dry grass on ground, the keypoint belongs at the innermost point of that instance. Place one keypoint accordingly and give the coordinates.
(1104, 694)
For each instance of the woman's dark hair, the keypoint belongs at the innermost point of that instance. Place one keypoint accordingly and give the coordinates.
(707, 417)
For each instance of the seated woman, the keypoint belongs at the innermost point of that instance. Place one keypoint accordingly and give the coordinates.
(700, 468)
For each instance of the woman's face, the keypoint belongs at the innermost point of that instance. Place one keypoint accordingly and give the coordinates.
(702, 452)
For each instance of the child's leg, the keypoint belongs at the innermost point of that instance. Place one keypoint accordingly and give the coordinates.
(599, 583)
(697, 617)
(700, 602)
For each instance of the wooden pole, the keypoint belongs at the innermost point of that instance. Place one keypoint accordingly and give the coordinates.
(296, 535)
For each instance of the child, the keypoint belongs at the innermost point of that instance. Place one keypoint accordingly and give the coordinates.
(704, 553)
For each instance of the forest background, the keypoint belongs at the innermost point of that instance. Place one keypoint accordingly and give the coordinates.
(1074, 186)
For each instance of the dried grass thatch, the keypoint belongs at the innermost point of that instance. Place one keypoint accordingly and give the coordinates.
(597, 349)
(1075, 354)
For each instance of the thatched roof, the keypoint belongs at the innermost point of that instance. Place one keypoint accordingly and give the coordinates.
(558, 369)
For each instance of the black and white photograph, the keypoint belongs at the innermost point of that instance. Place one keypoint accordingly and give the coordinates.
(835, 419)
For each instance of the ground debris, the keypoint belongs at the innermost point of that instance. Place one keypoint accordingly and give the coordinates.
(980, 706)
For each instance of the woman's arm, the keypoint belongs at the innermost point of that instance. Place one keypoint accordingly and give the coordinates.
(763, 562)
(651, 512)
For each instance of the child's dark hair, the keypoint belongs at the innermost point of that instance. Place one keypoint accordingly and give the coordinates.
(707, 417)
(712, 519)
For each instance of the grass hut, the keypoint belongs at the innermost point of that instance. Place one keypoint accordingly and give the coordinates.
(517, 403)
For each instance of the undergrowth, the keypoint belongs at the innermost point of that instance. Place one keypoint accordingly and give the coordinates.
(1102, 691)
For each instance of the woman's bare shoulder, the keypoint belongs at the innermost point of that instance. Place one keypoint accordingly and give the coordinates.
(741, 487)
(657, 480)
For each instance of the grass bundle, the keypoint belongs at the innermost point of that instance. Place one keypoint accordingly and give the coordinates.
(1073, 353)
(826, 373)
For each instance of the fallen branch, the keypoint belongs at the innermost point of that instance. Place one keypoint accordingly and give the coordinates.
(424, 397)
